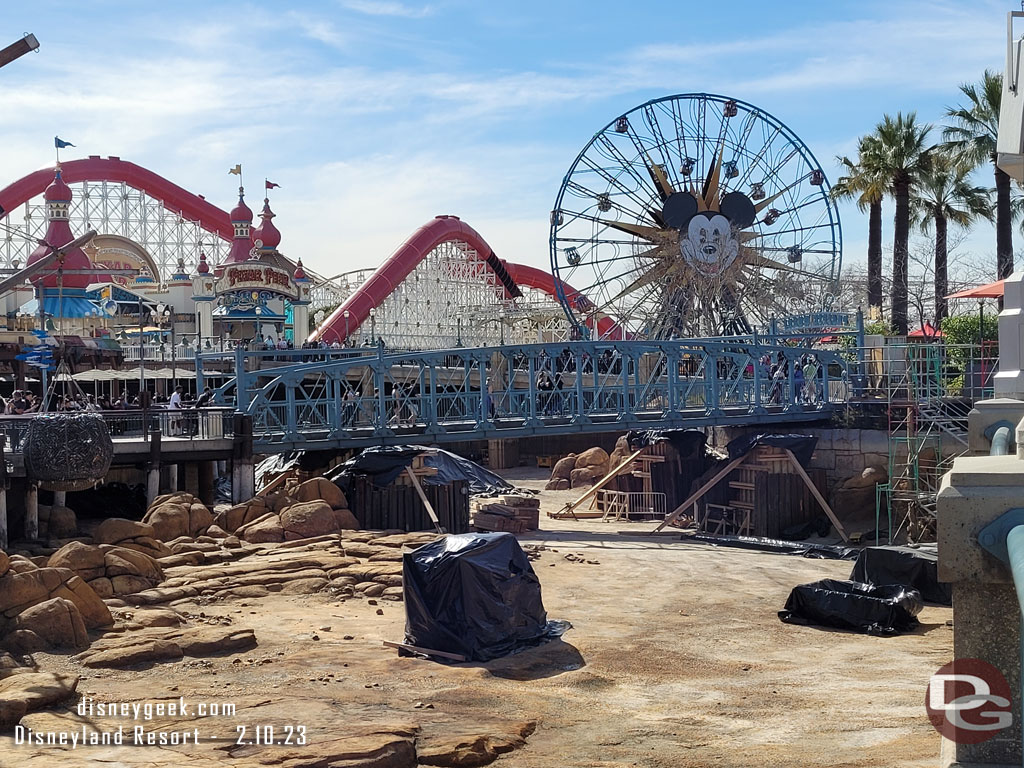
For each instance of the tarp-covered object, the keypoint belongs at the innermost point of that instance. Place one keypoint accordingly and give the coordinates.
(385, 463)
(685, 441)
(884, 610)
(474, 594)
(802, 446)
(68, 451)
(915, 567)
(777, 546)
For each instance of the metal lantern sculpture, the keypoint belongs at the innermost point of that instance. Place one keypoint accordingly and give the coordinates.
(694, 215)
(68, 451)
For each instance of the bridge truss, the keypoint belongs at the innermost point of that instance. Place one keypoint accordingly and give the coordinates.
(359, 397)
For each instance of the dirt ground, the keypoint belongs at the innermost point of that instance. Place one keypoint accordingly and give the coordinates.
(676, 659)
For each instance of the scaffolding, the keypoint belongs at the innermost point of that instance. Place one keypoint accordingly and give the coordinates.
(929, 389)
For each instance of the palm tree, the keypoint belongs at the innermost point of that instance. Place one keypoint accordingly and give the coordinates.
(864, 183)
(942, 196)
(902, 157)
(973, 136)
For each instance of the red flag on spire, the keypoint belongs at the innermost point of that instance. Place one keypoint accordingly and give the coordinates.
(271, 185)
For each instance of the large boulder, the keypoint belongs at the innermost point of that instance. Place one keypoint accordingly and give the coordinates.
(235, 517)
(320, 488)
(95, 612)
(29, 691)
(116, 529)
(5, 562)
(315, 518)
(21, 590)
(57, 622)
(580, 478)
(84, 559)
(262, 529)
(557, 484)
(180, 514)
(592, 457)
(57, 522)
(563, 467)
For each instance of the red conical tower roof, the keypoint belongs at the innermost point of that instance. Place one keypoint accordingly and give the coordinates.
(241, 244)
(267, 232)
(58, 232)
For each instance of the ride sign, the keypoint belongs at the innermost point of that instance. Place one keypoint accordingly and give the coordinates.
(256, 277)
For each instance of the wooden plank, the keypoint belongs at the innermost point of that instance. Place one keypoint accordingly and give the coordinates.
(821, 499)
(699, 493)
(568, 509)
(426, 502)
(425, 651)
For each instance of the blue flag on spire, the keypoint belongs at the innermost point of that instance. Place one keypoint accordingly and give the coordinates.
(59, 143)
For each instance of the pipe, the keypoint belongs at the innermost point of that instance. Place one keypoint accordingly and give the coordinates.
(1000, 442)
(1015, 554)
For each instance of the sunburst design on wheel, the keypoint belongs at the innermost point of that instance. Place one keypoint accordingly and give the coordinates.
(694, 215)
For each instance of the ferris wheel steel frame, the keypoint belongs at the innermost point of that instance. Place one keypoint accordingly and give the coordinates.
(661, 177)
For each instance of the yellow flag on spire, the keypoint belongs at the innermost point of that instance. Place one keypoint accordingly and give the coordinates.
(237, 170)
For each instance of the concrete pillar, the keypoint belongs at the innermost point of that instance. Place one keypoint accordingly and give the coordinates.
(172, 478)
(152, 484)
(503, 453)
(32, 511)
(190, 482)
(3, 518)
(221, 468)
(207, 474)
(1009, 379)
(60, 498)
(986, 616)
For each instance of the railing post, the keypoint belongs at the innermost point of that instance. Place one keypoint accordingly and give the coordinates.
(483, 416)
(758, 406)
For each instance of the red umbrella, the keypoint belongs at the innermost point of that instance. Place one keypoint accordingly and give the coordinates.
(987, 291)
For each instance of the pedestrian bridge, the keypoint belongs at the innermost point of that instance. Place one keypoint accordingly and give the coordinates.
(357, 397)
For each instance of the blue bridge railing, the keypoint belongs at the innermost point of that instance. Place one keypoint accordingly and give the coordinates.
(372, 396)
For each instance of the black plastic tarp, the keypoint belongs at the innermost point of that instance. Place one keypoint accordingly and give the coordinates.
(686, 441)
(915, 567)
(884, 610)
(777, 546)
(476, 595)
(802, 446)
(383, 464)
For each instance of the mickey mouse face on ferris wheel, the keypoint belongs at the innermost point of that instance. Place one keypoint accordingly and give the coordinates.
(708, 240)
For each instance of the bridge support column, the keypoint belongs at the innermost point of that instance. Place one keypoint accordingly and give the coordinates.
(243, 475)
(153, 473)
(190, 483)
(172, 478)
(4, 538)
(32, 511)
(502, 453)
(60, 498)
(207, 475)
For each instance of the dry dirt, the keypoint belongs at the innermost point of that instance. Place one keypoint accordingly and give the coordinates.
(676, 659)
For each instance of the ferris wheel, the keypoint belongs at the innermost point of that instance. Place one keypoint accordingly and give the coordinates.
(694, 215)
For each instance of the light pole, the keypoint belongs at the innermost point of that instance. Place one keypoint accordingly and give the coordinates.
(373, 324)
(346, 315)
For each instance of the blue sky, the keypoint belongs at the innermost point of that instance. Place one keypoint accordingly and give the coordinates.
(375, 115)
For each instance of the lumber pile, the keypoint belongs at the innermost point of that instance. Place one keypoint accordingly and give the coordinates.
(508, 512)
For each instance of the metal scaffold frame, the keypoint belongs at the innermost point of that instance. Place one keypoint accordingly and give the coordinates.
(929, 389)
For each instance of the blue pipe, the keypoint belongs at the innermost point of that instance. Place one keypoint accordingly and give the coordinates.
(1000, 442)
